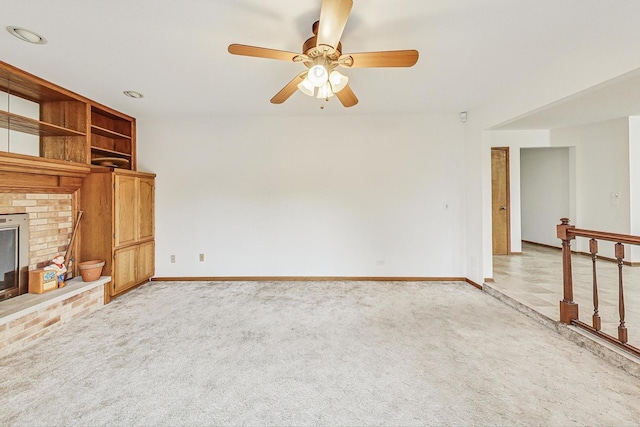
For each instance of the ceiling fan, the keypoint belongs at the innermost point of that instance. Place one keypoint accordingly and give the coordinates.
(322, 54)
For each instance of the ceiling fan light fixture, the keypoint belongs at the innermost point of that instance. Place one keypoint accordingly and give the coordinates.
(324, 91)
(322, 53)
(306, 87)
(318, 75)
(338, 81)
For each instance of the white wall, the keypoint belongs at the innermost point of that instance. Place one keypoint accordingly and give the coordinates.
(602, 176)
(545, 192)
(596, 164)
(580, 70)
(308, 196)
(475, 171)
(634, 181)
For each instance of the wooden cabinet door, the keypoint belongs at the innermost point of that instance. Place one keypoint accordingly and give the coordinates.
(124, 269)
(145, 208)
(125, 210)
(145, 261)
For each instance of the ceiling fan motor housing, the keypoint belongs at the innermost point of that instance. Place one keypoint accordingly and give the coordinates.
(312, 50)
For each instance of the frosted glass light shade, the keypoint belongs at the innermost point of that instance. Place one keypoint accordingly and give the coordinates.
(338, 81)
(306, 87)
(318, 75)
(324, 91)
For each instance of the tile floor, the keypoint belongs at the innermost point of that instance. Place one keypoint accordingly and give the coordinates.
(535, 280)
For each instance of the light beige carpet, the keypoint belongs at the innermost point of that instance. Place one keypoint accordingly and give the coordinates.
(297, 353)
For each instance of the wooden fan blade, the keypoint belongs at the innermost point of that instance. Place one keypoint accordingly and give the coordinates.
(263, 52)
(289, 89)
(390, 58)
(347, 97)
(333, 18)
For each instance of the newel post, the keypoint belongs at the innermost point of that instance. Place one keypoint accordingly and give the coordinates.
(568, 308)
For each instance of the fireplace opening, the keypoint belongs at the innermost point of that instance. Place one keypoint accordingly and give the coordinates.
(14, 255)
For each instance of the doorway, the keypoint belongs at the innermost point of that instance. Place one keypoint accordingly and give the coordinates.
(500, 205)
(545, 193)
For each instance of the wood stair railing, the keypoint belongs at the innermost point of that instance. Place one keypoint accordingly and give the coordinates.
(568, 307)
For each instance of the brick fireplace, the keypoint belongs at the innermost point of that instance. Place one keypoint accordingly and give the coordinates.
(27, 317)
(50, 223)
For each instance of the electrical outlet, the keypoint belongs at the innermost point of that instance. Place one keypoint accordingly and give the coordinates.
(380, 263)
(173, 259)
(201, 257)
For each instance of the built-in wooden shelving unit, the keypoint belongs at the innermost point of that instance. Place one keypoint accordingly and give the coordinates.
(31, 126)
(70, 127)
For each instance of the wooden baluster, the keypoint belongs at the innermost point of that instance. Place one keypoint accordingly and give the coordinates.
(597, 321)
(622, 329)
(568, 308)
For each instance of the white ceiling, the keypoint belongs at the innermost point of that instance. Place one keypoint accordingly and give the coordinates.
(615, 98)
(175, 52)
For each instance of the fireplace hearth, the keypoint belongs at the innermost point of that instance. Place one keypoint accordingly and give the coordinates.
(14, 255)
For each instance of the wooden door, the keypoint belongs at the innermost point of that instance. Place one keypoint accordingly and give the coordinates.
(125, 210)
(145, 208)
(145, 261)
(124, 269)
(500, 207)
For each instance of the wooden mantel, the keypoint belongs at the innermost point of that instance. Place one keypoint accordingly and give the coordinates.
(28, 174)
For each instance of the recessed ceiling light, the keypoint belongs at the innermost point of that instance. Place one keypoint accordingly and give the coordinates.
(133, 94)
(26, 35)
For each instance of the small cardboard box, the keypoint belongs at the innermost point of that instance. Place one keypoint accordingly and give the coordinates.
(41, 281)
